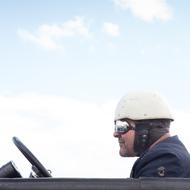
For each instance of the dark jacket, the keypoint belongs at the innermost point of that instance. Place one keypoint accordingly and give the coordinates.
(168, 158)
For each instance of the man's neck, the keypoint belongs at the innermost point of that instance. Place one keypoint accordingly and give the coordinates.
(160, 139)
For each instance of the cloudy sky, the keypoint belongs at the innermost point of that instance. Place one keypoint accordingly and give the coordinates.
(65, 64)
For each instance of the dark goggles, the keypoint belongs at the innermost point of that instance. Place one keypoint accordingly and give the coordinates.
(122, 127)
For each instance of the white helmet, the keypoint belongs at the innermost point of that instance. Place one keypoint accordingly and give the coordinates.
(142, 105)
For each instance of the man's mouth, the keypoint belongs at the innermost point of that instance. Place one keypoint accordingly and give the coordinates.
(121, 142)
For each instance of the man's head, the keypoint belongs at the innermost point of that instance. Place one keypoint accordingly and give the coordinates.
(141, 118)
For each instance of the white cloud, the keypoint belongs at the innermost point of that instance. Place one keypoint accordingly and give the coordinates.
(49, 36)
(72, 138)
(111, 29)
(147, 10)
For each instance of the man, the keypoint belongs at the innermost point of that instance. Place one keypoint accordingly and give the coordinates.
(142, 121)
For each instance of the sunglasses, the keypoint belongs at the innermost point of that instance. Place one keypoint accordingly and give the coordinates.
(122, 127)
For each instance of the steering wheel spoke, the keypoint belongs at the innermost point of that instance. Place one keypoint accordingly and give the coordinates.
(42, 171)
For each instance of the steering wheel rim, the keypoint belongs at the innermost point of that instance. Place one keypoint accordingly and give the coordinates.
(31, 158)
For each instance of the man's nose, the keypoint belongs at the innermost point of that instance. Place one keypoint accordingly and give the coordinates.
(115, 134)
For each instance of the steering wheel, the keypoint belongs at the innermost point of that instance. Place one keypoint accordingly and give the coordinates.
(36, 165)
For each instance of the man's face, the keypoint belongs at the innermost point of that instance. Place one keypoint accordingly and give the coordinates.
(126, 142)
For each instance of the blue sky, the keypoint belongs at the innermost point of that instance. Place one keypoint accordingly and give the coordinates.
(145, 54)
(89, 51)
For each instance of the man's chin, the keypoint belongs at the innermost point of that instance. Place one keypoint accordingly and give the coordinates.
(126, 154)
(123, 154)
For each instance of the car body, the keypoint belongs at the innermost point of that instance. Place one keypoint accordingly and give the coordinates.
(94, 184)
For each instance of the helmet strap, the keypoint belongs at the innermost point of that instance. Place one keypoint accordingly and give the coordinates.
(141, 141)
